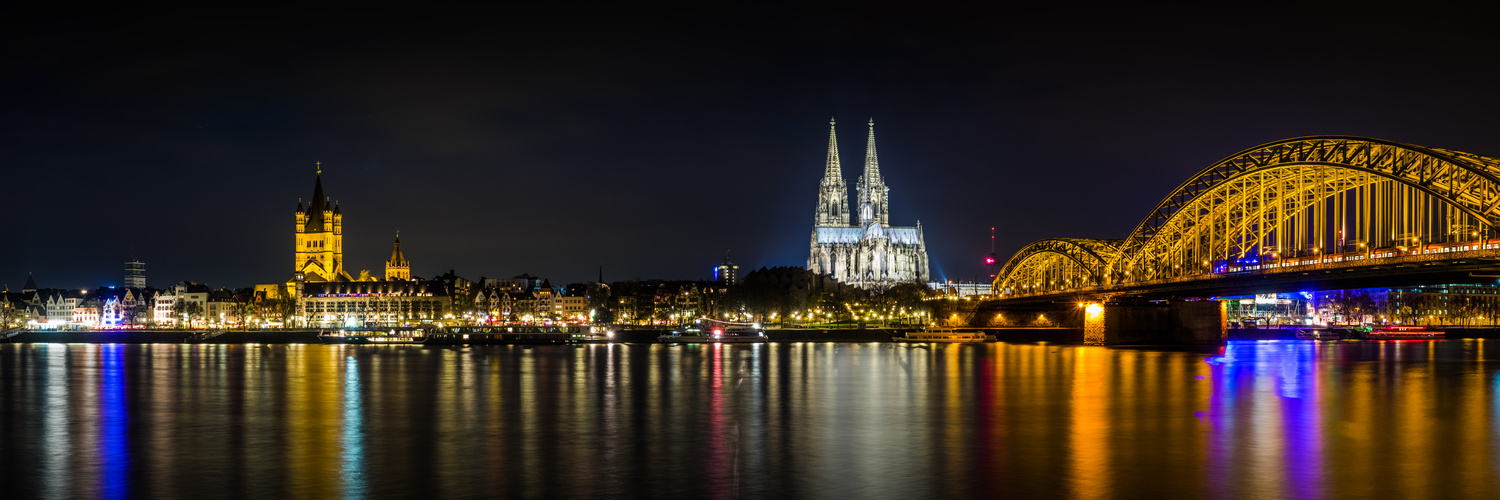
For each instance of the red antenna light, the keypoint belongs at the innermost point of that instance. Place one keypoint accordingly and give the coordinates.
(991, 259)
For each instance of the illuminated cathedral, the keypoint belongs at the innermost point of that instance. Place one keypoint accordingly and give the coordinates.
(870, 253)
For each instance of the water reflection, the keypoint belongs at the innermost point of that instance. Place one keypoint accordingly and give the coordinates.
(114, 418)
(1273, 419)
(353, 470)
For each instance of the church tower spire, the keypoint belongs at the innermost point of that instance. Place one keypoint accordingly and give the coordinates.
(398, 268)
(833, 170)
(873, 194)
(833, 193)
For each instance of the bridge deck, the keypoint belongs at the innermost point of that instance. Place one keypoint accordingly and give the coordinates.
(1333, 272)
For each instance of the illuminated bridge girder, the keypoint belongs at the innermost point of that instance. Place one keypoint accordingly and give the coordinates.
(1057, 264)
(1293, 198)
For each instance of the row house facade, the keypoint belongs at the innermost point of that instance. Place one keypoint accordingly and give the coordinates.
(541, 303)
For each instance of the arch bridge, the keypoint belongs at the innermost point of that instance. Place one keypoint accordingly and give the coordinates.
(1332, 211)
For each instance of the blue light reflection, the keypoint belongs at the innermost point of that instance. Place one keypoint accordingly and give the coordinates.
(114, 444)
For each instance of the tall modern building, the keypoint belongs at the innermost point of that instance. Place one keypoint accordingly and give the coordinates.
(320, 238)
(726, 274)
(870, 252)
(135, 274)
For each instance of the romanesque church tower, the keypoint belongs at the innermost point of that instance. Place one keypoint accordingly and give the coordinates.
(319, 255)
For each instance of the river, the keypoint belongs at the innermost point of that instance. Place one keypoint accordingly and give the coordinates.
(1273, 419)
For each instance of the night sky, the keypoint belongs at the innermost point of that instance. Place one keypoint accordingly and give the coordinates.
(649, 142)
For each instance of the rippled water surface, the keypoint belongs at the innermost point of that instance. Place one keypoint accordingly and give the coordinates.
(801, 420)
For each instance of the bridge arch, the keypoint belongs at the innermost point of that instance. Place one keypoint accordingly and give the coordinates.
(1311, 195)
(1056, 263)
(1297, 197)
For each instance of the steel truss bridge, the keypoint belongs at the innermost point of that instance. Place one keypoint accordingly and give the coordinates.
(1308, 213)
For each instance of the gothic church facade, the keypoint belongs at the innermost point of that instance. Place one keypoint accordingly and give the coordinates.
(869, 253)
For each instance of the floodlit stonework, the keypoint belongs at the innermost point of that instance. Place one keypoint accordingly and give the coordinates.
(320, 238)
(870, 253)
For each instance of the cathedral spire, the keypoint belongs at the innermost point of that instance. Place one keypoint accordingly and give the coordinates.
(872, 162)
(833, 171)
(833, 194)
(872, 197)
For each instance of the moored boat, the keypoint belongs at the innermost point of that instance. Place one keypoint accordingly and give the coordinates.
(944, 335)
(1406, 333)
(1317, 334)
(400, 335)
(597, 335)
(714, 332)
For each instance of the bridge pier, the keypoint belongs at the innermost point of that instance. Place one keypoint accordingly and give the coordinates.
(1175, 322)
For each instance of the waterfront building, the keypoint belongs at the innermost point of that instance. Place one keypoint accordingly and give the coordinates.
(128, 299)
(656, 301)
(222, 308)
(537, 304)
(14, 309)
(626, 309)
(135, 274)
(494, 305)
(164, 308)
(86, 315)
(373, 303)
(60, 307)
(111, 312)
(1465, 304)
(185, 301)
(685, 304)
(570, 307)
(869, 252)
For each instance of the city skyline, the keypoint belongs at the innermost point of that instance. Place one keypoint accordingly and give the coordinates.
(614, 144)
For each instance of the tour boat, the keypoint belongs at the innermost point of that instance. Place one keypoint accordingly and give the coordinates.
(946, 335)
(597, 335)
(715, 333)
(1317, 334)
(1406, 333)
(403, 335)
